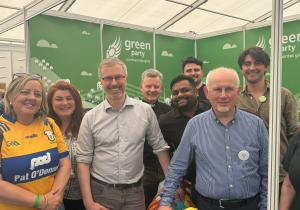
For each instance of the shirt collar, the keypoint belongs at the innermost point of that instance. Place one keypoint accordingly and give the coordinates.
(235, 117)
(267, 88)
(8, 118)
(152, 105)
(128, 102)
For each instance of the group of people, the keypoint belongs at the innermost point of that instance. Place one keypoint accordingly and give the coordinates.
(116, 155)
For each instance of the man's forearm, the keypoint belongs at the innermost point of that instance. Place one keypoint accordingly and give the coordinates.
(164, 160)
(84, 182)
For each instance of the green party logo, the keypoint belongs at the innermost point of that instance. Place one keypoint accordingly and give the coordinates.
(114, 49)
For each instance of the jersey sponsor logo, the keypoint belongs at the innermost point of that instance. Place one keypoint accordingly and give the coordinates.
(30, 167)
(12, 143)
(50, 136)
(42, 160)
(34, 135)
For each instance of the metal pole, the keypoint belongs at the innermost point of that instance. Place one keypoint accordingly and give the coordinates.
(275, 105)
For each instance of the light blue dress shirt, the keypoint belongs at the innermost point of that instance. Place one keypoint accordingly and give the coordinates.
(231, 161)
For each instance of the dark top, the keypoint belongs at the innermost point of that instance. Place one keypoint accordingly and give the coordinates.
(150, 159)
(172, 125)
(202, 97)
(291, 165)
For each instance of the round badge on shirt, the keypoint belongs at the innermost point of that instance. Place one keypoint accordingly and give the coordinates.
(244, 155)
(262, 99)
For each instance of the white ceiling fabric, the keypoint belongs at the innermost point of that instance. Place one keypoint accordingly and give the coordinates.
(211, 16)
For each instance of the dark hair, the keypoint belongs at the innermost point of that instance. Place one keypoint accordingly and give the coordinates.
(189, 60)
(77, 115)
(257, 53)
(181, 78)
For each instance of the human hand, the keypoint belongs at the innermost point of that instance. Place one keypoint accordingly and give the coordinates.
(95, 206)
(54, 198)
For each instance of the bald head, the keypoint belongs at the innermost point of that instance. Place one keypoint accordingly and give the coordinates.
(222, 74)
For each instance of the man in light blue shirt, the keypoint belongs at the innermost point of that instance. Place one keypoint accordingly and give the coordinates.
(230, 148)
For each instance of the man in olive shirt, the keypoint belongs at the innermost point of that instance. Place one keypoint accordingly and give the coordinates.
(255, 97)
(151, 88)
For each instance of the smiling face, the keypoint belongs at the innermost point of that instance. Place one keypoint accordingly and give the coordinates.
(28, 101)
(223, 92)
(114, 81)
(253, 70)
(184, 95)
(193, 70)
(63, 104)
(151, 88)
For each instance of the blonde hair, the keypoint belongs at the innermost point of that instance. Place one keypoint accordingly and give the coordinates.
(15, 87)
(153, 73)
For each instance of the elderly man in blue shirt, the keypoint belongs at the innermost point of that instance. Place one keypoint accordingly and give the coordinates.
(230, 148)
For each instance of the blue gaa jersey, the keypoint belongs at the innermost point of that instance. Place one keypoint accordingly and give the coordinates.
(30, 155)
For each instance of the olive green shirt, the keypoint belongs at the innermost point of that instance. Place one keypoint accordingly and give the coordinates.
(288, 124)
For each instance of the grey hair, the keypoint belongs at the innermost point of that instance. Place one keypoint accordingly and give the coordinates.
(15, 87)
(208, 77)
(151, 73)
(111, 62)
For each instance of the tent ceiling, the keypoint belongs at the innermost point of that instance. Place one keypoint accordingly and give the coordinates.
(211, 16)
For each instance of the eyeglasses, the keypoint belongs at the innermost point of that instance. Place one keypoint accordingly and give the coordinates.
(118, 78)
(21, 74)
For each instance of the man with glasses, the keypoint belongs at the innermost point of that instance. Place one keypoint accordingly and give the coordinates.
(230, 149)
(110, 145)
(151, 88)
(255, 97)
(192, 67)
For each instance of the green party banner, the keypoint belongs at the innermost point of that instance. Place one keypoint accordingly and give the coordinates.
(134, 48)
(66, 49)
(170, 52)
(222, 50)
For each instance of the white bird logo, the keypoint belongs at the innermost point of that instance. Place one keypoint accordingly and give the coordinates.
(114, 49)
(261, 43)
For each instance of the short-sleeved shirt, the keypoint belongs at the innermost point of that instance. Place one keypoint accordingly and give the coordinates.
(291, 165)
(30, 155)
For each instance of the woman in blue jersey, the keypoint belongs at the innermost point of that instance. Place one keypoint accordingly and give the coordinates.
(65, 107)
(35, 166)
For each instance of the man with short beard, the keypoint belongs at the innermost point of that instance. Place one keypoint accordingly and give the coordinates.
(193, 67)
(185, 106)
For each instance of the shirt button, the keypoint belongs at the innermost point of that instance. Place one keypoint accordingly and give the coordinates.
(226, 130)
(227, 147)
(231, 186)
(229, 166)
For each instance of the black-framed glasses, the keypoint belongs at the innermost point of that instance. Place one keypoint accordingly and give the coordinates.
(118, 78)
(21, 74)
